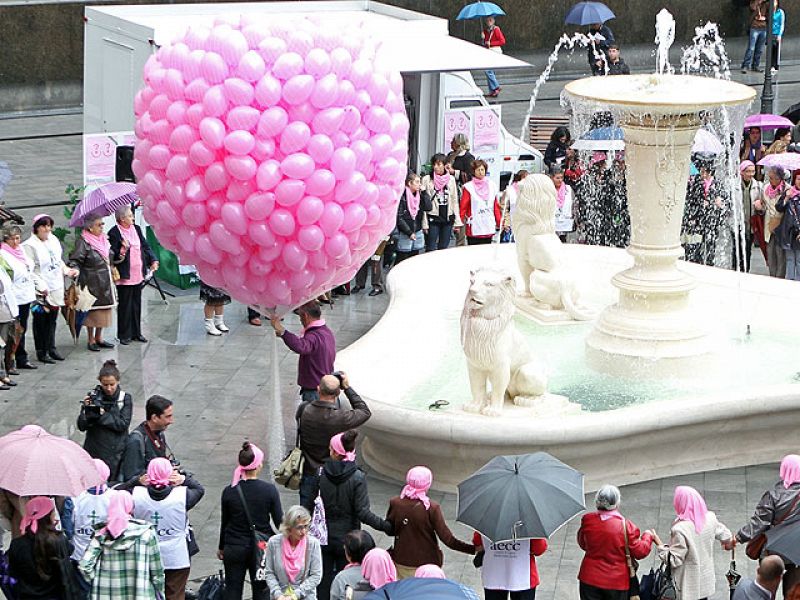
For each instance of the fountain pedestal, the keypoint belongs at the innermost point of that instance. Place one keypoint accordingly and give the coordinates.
(653, 318)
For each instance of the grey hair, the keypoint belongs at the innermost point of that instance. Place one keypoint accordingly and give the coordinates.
(292, 516)
(11, 230)
(607, 497)
(461, 140)
(91, 219)
(778, 170)
(122, 212)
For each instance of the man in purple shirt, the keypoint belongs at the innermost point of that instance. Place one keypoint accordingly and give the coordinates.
(316, 347)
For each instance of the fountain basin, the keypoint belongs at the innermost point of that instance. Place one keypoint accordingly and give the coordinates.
(740, 409)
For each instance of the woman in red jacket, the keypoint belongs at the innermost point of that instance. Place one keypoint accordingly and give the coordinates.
(478, 202)
(604, 571)
(509, 567)
(494, 40)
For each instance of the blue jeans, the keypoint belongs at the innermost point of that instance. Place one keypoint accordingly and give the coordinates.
(491, 80)
(309, 485)
(755, 44)
(438, 237)
(308, 395)
(793, 264)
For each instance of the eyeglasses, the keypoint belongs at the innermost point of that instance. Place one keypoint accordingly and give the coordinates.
(303, 527)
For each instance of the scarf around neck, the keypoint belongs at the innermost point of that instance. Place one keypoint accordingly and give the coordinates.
(772, 192)
(482, 187)
(412, 201)
(293, 558)
(440, 181)
(17, 252)
(561, 195)
(98, 242)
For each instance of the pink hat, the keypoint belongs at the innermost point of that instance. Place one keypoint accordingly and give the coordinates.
(120, 507)
(38, 218)
(35, 509)
(258, 459)
(790, 469)
(159, 470)
(746, 163)
(338, 447)
(690, 506)
(430, 572)
(597, 157)
(102, 470)
(418, 482)
(378, 568)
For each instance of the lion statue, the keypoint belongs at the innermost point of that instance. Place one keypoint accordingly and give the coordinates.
(539, 251)
(496, 352)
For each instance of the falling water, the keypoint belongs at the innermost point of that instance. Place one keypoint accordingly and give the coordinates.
(706, 55)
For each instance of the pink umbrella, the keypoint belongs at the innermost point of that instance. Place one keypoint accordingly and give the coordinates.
(767, 121)
(36, 463)
(104, 201)
(787, 160)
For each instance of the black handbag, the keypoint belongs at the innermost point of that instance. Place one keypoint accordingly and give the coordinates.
(213, 588)
(259, 542)
(664, 584)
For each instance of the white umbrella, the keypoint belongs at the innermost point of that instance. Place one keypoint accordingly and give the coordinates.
(705, 141)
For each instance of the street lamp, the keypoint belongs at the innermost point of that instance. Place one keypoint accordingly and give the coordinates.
(767, 96)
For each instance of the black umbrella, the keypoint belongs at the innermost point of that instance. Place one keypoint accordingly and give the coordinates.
(527, 496)
(785, 540)
(793, 113)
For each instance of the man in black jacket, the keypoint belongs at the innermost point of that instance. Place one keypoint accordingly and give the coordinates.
(148, 441)
(616, 66)
(319, 421)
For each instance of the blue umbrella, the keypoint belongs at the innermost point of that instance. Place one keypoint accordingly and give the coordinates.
(602, 138)
(414, 588)
(604, 133)
(478, 10)
(588, 13)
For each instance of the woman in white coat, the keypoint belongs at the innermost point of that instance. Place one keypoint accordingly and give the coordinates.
(564, 201)
(690, 551)
(8, 316)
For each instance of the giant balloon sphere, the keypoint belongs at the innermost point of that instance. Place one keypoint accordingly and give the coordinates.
(272, 157)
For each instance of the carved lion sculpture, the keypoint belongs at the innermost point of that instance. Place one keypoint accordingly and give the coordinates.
(496, 352)
(539, 251)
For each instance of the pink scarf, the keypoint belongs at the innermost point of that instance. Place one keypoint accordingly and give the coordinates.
(258, 458)
(17, 252)
(120, 507)
(790, 470)
(412, 201)
(561, 195)
(293, 557)
(690, 506)
(771, 191)
(130, 234)
(338, 447)
(440, 181)
(317, 323)
(159, 470)
(98, 242)
(104, 472)
(706, 185)
(418, 482)
(430, 572)
(605, 515)
(482, 187)
(35, 509)
(378, 568)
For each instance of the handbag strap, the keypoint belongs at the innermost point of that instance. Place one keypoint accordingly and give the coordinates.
(246, 510)
(628, 560)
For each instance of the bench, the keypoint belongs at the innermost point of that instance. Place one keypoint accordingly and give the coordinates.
(541, 128)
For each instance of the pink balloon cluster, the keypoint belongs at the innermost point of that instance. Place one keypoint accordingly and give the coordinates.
(271, 157)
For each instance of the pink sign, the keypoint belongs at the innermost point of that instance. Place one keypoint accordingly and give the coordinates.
(455, 121)
(486, 132)
(100, 155)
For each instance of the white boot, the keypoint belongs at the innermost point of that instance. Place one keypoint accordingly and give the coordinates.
(211, 329)
(220, 324)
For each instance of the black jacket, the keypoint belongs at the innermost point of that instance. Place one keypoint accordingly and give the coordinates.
(194, 491)
(618, 68)
(343, 488)
(22, 567)
(405, 222)
(263, 502)
(95, 273)
(140, 449)
(555, 150)
(107, 434)
(124, 264)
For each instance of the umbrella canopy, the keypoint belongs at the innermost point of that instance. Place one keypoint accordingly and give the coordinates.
(414, 588)
(5, 176)
(767, 121)
(793, 113)
(706, 142)
(527, 496)
(787, 160)
(785, 540)
(602, 138)
(104, 201)
(478, 10)
(588, 13)
(36, 463)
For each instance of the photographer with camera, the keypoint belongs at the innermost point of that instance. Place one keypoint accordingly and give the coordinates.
(105, 416)
(319, 420)
(148, 441)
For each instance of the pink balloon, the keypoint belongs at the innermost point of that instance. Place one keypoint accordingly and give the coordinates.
(381, 146)
(363, 152)
(343, 163)
(222, 238)
(241, 167)
(287, 65)
(172, 191)
(320, 148)
(309, 210)
(259, 205)
(325, 91)
(243, 117)
(263, 149)
(251, 66)
(303, 112)
(294, 257)
(182, 138)
(176, 113)
(378, 119)
(328, 121)
(194, 215)
(186, 239)
(331, 219)
(347, 93)
(159, 156)
(194, 114)
(310, 238)
(213, 68)
(261, 234)
(317, 63)
(180, 168)
(268, 91)
(159, 106)
(341, 62)
(216, 177)
(354, 217)
(201, 155)
(321, 182)
(378, 88)
(239, 143)
(352, 189)
(167, 215)
(298, 89)
(301, 280)
(272, 122)
(214, 101)
(234, 218)
(289, 192)
(233, 47)
(212, 132)
(336, 246)
(268, 175)
(195, 190)
(300, 42)
(298, 166)
(239, 191)
(281, 222)
(270, 49)
(294, 137)
(239, 93)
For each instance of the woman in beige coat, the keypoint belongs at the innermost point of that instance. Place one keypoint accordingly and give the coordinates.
(774, 188)
(438, 222)
(690, 551)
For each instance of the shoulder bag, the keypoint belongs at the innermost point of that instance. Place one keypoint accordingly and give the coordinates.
(755, 547)
(319, 524)
(259, 541)
(633, 583)
(290, 471)
(663, 583)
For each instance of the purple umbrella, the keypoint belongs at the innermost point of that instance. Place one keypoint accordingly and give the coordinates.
(787, 160)
(766, 121)
(104, 201)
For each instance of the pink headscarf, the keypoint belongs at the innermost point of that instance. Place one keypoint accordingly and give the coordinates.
(418, 482)
(412, 201)
(35, 509)
(745, 164)
(597, 157)
(690, 506)
(159, 471)
(120, 507)
(430, 572)
(98, 242)
(378, 568)
(338, 447)
(258, 459)
(790, 469)
(104, 472)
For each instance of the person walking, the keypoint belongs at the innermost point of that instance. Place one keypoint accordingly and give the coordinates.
(789, 230)
(135, 260)
(444, 210)
(779, 505)
(765, 586)
(236, 543)
(607, 538)
(556, 150)
(123, 560)
(494, 40)
(778, 27)
(356, 545)
(374, 269)
(294, 561)
(509, 568)
(25, 285)
(414, 203)
(690, 551)
(752, 191)
(316, 347)
(343, 489)
(148, 441)
(459, 165)
(774, 190)
(105, 416)
(165, 502)
(418, 524)
(480, 208)
(44, 251)
(91, 257)
(756, 37)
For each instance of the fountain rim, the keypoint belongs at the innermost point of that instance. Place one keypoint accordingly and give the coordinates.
(616, 91)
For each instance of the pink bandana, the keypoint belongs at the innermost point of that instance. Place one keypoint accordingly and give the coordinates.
(418, 482)
(35, 509)
(561, 195)
(120, 507)
(440, 181)
(98, 242)
(104, 472)
(258, 459)
(338, 447)
(17, 252)
(412, 200)
(293, 557)
(482, 187)
(159, 470)
(773, 192)
(745, 164)
(430, 572)
(378, 568)
(690, 506)
(790, 470)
